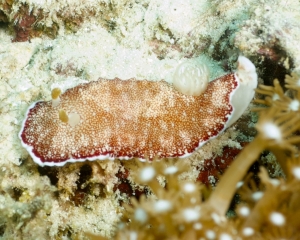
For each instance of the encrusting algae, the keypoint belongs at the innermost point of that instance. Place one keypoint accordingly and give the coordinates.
(181, 209)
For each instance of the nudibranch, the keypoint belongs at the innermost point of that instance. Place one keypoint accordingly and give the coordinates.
(124, 119)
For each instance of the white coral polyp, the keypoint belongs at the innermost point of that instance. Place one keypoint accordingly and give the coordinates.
(271, 131)
(248, 231)
(197, 226)
(296, 172)
(275, 97)
(277, 218)
(140, 215)
(171, 170)
(191, 214)
(225, 236)
(147, 174)
(189, 187)
(161, 206)
(210, 234)
(257, 195)
(133, 235)
(294, 105)
(244, 211)
(239, 184)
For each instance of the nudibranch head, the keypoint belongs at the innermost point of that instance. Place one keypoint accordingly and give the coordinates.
(109, 119)
(55, 93)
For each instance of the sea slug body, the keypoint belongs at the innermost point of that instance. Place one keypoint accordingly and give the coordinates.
(109, 119)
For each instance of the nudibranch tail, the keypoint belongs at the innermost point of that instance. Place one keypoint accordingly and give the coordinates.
(240, 98)
(109, 119)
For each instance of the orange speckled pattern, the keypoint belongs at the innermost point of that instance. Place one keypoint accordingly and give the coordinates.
(126, 119)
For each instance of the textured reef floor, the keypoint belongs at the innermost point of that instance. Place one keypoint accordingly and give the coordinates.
(48, 44)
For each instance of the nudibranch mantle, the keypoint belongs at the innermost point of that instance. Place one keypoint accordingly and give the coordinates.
(127, 119)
